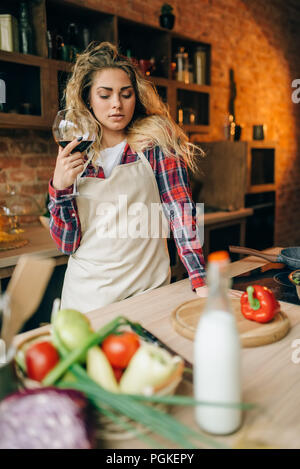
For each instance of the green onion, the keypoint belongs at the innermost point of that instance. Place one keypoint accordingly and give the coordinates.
(189, 401)
(157, 421)
(120, 421)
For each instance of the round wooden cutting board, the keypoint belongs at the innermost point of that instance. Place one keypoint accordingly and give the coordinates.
(253, 334)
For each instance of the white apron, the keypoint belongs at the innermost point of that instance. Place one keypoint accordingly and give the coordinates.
(122, 253)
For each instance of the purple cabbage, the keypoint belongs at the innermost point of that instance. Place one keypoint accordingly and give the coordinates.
(46, 418)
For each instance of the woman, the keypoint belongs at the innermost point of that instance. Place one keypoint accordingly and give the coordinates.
(140, 157)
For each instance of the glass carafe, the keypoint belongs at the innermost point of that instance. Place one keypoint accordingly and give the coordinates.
(13, 206)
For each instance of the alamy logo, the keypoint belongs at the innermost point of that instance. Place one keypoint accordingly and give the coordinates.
(2, 92)
(296, 352)
(296, 93)
(123, 220)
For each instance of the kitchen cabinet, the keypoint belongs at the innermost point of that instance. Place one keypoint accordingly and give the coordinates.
(189, 103)
(237, 175)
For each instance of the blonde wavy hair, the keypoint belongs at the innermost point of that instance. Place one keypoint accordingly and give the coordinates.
(151, 124)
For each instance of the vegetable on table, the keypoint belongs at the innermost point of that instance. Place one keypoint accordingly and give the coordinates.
(99, 369)
(40, 358)
(118, 372)
(259, 304)
(116, 406)
(120, 348)
(77, 353)
(149, 367)
(73, 328)
(47, 418)
(296, 277)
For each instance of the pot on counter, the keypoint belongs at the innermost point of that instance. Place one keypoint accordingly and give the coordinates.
(288, 256)
(292, 276)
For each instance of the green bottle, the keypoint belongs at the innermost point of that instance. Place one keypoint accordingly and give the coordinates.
(25, 30)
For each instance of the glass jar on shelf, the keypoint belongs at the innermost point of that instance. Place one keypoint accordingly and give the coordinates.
(200, 65)
(12, 207)
(182, 65)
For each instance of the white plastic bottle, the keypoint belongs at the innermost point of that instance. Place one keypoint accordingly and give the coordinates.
(217, 352)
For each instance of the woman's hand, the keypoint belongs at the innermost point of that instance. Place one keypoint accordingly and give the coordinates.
(68, 166)
(203, 292)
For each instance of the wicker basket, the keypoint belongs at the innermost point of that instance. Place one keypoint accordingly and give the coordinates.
(106, 428)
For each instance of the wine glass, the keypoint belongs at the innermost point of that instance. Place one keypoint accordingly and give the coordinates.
(74, 123)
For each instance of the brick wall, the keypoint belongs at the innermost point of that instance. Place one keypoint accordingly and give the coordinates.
(260, 41)
(27, 160)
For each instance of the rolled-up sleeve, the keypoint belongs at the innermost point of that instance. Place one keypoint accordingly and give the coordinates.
(175, 192)
(65, 227)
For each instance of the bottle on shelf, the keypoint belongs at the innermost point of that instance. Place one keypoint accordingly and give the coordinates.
(173, 70)
(179, 113)
(182, 65)
(200, 65)
(217, 370)
(86, 37)
(72, 42)
(9, 33)
(60, 50)
(25, 30)
(49, 45)
(133, 59)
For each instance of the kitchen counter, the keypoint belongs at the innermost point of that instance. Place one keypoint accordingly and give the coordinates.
(41, 243)
(270, 377)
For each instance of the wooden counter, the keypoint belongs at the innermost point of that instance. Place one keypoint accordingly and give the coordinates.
(40, 244)
(270, 377)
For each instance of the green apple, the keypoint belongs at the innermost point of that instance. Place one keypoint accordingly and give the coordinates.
(73, 328)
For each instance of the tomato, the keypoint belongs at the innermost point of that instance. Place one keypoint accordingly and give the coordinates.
(118, 373)
(40, 358)
(119, 349)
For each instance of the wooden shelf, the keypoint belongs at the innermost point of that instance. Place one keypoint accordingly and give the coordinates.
(55, 14)
(199, 129)
(34, 60)
(259, 183)
(192, 87)
(23, 121)
(262, 144)
(25, 59)
(256, 189)
(180, 85)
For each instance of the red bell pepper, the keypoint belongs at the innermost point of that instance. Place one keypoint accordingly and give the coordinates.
(259, 304)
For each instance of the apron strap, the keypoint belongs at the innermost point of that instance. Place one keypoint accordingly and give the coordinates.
(85, 166)
(154, 183)
(148, 167)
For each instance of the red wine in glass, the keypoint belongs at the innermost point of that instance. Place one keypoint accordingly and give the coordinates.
(82, 146)
(74, 123)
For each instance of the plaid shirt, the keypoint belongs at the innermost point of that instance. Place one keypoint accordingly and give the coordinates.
(174, 188)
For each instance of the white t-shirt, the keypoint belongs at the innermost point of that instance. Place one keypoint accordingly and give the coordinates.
(110, 157)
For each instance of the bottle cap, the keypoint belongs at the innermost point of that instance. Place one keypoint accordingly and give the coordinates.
(218, 256)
